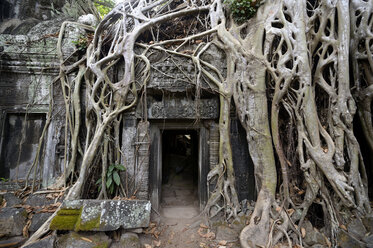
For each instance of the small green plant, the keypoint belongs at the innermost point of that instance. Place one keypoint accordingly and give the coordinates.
(104, 6)
(112, 178)
(82, 43)
(2, 179)
(242, 10)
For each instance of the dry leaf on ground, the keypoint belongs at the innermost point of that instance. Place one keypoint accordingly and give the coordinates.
(86, 239)
(222, 242)
(303, 231)
(157, 243)
(208, 235)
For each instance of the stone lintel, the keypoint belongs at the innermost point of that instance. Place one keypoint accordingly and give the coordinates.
(101, 215)
(183, 108)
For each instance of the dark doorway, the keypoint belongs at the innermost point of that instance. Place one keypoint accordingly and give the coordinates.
(19, 144)
(179, 168)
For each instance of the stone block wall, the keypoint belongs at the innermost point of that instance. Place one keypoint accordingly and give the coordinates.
(28, 68)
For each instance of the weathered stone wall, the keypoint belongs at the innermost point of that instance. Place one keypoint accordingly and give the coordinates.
(19, 16)
(28, 67)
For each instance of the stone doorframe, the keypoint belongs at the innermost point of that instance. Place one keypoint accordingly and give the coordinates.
(155, 163)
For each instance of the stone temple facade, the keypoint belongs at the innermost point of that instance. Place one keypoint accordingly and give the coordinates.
(176, 134)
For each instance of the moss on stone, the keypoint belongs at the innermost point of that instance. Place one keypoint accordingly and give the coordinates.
(103, 245)
(64, 222)
(89, 225)
(66, 219)
(24, 213)
(69, 212)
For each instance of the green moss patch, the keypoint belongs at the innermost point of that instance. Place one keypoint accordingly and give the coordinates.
(90, 225)
(66, 219)
(64, 222)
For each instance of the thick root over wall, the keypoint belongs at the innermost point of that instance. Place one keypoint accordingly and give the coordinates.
(288, 71)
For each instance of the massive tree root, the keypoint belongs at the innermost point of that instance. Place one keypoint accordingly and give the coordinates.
(287, 71)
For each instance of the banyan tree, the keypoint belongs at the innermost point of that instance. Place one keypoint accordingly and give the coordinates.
(299, 74)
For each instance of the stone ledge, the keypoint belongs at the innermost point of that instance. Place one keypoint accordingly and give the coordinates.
(101, 215)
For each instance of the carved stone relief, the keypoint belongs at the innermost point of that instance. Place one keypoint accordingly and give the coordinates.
(182, 108)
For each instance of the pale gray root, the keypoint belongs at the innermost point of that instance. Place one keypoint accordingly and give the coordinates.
(361, 23)
(109, 99)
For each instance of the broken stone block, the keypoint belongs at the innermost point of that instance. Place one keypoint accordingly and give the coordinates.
(89, 19)
(48, 242)
(357, 229)
(83, 240)
(38, 201)
(345, 240)
(313, 236)
(11, 200)
(223, 232)
(101, 215)
(37, 220)
(12, 221)
(130, 240)
(13, 242)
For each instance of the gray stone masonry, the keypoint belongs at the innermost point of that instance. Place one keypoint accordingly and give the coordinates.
(101, 215)
(12, 221)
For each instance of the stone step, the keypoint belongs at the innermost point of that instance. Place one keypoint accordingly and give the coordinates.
(101, 215)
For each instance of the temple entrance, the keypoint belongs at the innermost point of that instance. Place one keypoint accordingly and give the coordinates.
(178, 166)
(179, 173)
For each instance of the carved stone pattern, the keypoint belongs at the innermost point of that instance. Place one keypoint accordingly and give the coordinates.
(184, 109)
(141, 172)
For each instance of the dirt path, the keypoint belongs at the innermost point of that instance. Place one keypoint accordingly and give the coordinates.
(179, 223)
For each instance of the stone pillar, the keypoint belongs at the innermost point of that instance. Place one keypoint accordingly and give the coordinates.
(213, 151)
(214, 145)
(128, 152)
(141, 173)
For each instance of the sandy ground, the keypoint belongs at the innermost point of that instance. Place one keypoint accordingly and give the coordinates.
(178, 223)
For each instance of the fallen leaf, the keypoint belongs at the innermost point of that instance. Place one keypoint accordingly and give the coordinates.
(3, 204)
(156, 234)
(290, 211)
(86, 239)
(301, 192)
(343, 227)
(303, 231)
(203, 226)
(203, 245)
(157, 243)
(208, 235)
(147, 246)
(222, 242)
(25, 229)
